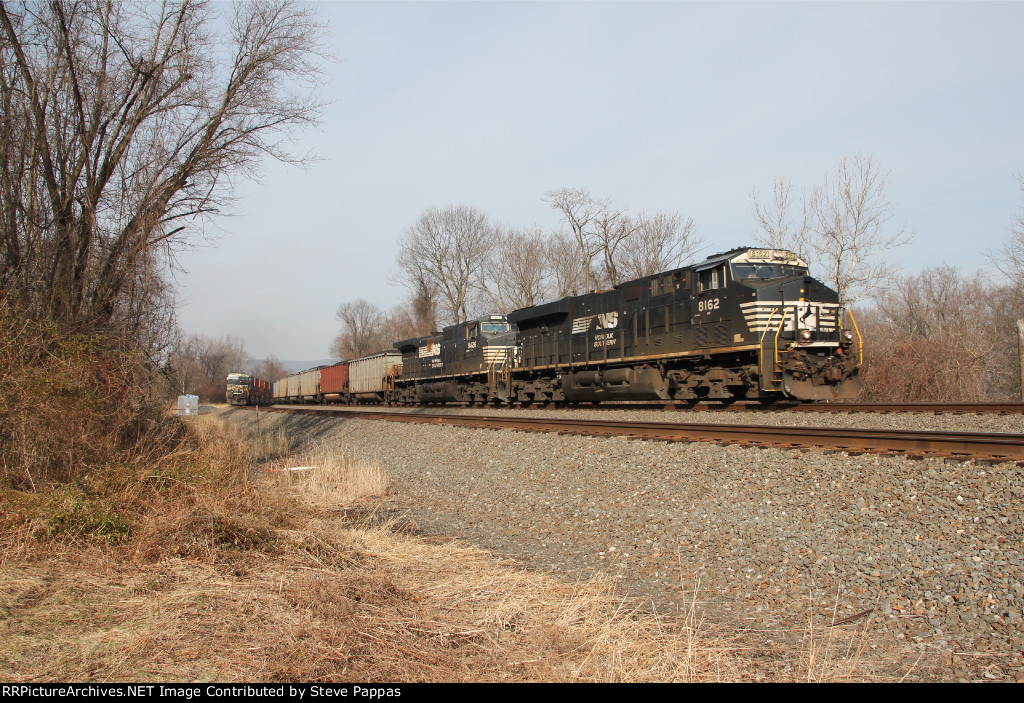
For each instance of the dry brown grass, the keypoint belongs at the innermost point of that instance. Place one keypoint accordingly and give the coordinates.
(329, 478)
(292, 575)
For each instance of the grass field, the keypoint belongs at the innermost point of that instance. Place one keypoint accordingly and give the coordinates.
(230, 560)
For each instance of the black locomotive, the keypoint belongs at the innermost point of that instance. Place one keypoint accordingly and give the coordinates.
(469, 362)
(747, 323)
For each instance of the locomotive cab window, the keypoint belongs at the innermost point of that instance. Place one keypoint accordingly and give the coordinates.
(712, 279)
(764, 271)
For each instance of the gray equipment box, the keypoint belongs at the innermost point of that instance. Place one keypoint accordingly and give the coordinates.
(188, 404)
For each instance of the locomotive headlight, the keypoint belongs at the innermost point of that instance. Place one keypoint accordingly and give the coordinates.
(847, 336)
(805, 335)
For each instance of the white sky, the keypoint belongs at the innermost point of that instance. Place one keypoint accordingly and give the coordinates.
(660, 106)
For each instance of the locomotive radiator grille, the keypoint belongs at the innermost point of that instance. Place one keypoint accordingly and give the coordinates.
(713, 335)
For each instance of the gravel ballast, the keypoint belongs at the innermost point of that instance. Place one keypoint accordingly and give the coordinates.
(763, 540)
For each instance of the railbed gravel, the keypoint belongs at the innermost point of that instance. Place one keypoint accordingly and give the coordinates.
(768, 542)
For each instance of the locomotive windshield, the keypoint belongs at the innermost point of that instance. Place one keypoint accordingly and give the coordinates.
(766, 270)
(239, 380)
(494, 327)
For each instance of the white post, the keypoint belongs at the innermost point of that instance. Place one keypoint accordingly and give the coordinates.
(1020, 354)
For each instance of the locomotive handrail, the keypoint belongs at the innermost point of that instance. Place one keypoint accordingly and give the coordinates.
(775, 351)
(764, 371)
(502, 372)
(860, 339)
(782, 323)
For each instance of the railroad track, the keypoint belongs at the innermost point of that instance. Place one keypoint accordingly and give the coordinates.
(951, 408)
(960, 446)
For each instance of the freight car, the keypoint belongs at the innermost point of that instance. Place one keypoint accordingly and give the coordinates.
(244, 389)
(303, 386)
(744, 324)
(367, 380)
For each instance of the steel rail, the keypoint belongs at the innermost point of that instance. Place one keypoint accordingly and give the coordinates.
(955, 408)
(937, 408)
(992, 446)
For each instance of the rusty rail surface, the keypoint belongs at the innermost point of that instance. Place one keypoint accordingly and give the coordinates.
(992, 446)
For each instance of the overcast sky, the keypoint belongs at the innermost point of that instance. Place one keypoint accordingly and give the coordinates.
(660, 106)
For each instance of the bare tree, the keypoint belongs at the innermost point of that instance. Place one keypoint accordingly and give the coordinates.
(361, 326)
(401, 322)
(659, 242)
(844, 228)
(778, 230)
(269, 369)
(612, 226)
(125, 125)
(199, 365)
(422, 308)
(516, 275)
(940, 335)
(579, 210)
(568, 271)
(850, 221)
(443, 251)
(366, 329)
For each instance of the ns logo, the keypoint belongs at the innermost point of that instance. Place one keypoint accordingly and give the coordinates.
(605, 321)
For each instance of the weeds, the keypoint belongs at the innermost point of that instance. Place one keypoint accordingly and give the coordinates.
(204, 566)
(71, 402)
(75, 514)
(329, 478)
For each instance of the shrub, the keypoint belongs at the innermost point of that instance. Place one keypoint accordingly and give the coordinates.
(70, 401)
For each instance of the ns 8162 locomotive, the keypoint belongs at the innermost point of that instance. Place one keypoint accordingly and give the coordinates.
(745, 324)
